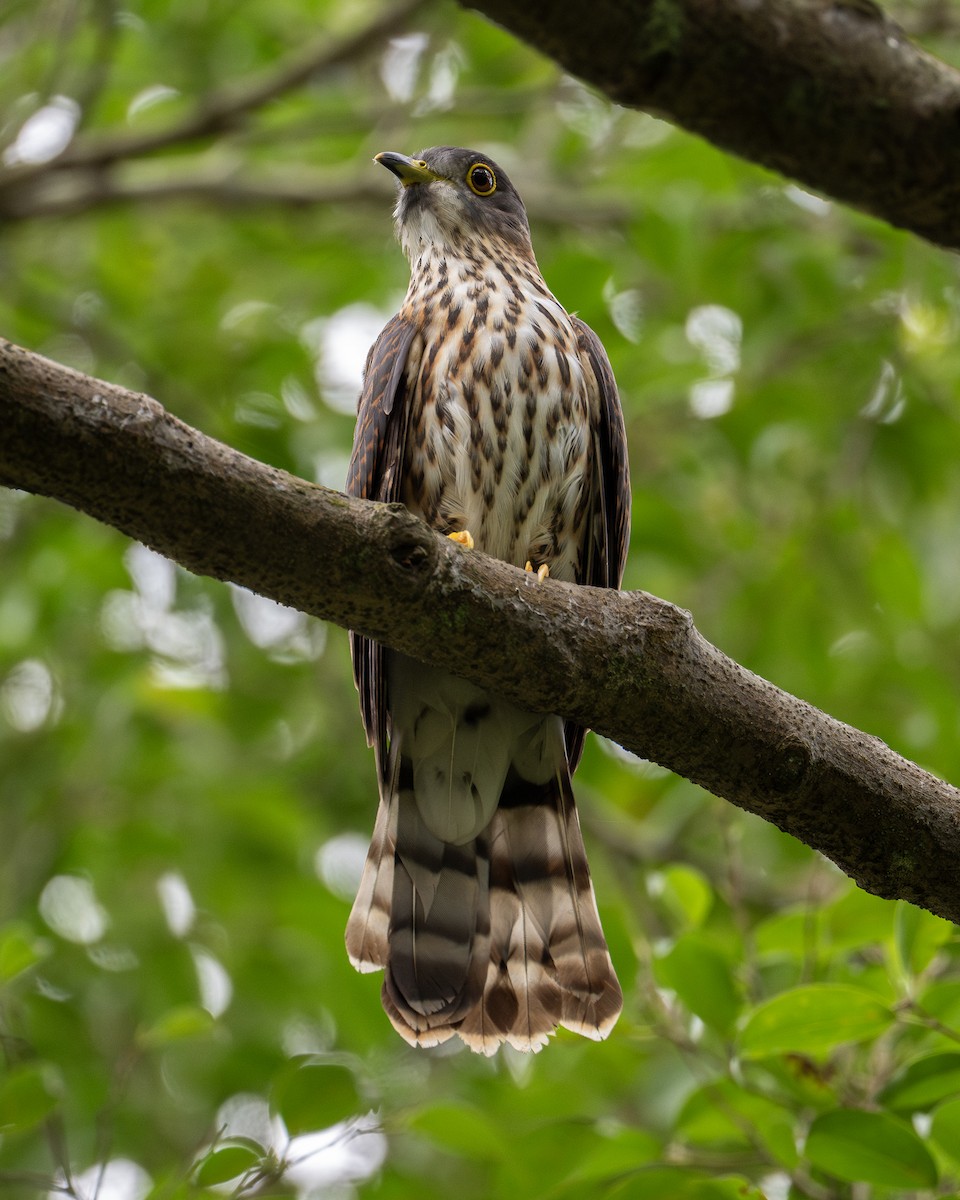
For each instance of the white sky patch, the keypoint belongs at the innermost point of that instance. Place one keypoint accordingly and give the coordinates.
(330, 468)
(340, 345)
(314, 1035)
(625, 308)
(806, 200)
(710, 398)
(70, 907)
(297, 400)
(262, 410)
(154, 577)
(29, 697)
(855, 644)
(187, 645)
(776, 1186)
(150, 97)
(216, 987)
(339, 863)
(585, 112)
(345, 1153)
(288, 635)
(45, 133)
(643, 131)
(444, 76)
(10, 503)
(246, 313)
(113, 958)
(248, 1115)
(176, 902)
(640, 766)
(716, 332)
(189, 651)
(118, 1179)
(264, 621)
(400, 65)
(887, 401)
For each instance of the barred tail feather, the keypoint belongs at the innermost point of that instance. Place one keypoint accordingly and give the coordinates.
(564, 956)
(439, 926)
(592, 998)
(497, 940)
(368, 928)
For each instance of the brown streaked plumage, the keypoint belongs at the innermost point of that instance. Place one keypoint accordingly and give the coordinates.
(485, 407)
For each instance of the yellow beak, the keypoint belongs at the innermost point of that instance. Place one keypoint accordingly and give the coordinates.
(407, 170)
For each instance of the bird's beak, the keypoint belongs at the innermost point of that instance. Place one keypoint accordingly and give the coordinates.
(407, 170)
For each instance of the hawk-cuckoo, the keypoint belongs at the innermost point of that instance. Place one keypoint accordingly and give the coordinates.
(493, 414)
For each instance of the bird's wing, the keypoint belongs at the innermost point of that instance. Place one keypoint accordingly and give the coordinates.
(375, 473)
(610, 536)
(608, 527)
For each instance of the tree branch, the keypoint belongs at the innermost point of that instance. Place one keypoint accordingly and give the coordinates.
(225, 109)
(828, 92)
(654, 684)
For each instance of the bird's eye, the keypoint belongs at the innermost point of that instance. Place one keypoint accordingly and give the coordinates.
(481, 180)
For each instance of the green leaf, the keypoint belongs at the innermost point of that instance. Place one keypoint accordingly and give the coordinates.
(701, 977)
(942, 1000)
(787, 934)
(923, 1083)
(19, 950)
(857, 919)
(612, 1154)
(918, 936)
(309, 1095)
(460, 1129)
(684, 892)
(683, 1183)
(724, 1114)
(813, 1019)
(869, 1147)
(945, 1128)
(177, 1025)
(28, 1094)
(227, 1161)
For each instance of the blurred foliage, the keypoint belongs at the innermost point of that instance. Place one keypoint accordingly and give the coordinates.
(185, 792)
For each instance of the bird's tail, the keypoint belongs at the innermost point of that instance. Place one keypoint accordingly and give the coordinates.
(496, 940)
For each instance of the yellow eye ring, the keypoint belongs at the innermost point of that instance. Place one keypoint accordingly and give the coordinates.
(481, 179)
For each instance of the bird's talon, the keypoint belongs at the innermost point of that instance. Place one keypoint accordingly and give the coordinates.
(543, 570)
(462, 537)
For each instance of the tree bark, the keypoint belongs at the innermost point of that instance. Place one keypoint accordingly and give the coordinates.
(829, 92)
(653, 684)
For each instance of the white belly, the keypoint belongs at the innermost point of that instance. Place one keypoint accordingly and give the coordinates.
(499, 440)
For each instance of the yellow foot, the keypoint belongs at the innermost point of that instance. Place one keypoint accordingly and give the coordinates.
(543, 570)
(464, 538)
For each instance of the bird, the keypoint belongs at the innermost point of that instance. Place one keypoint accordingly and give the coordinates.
(492, 414)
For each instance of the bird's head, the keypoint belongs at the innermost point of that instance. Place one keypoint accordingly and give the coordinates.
(448, 195)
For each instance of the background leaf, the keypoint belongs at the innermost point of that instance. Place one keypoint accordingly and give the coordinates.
(310, 1096)
(191, 757)
(869, 1147)
(813, 1019)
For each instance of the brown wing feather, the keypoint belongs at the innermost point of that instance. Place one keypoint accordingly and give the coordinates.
(612, 533)
(374, 473)
(608, 527)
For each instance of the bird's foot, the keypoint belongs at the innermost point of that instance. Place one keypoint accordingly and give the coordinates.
(543, 570)
(463, 538)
